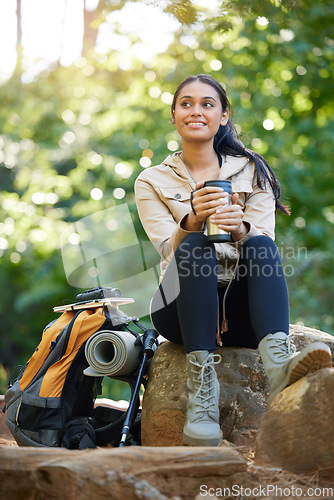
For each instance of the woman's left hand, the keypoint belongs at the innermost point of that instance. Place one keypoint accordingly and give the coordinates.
(230, 217)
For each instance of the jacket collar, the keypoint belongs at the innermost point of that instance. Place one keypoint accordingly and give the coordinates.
(232, 165)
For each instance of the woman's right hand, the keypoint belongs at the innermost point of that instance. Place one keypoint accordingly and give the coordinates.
(206, 200)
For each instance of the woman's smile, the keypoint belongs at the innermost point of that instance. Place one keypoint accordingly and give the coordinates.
(194, 124)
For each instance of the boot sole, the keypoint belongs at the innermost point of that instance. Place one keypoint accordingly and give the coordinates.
(203, 440)
(315, 357)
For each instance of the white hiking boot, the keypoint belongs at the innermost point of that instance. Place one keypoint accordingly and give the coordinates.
(202, 422)
(284, 366)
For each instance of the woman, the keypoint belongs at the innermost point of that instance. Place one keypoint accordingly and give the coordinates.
(231, 293)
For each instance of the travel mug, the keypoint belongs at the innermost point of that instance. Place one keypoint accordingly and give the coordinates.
(214, 233)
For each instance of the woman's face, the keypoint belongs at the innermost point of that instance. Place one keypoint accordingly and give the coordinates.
(198, 112)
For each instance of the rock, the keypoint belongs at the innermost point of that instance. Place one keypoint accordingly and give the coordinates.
(131, 472)
(242, 400)
(303, 336)
(296, 431)
(138, 473)
(243, 391)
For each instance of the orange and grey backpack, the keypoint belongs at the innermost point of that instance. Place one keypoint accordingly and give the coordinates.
(51, 403)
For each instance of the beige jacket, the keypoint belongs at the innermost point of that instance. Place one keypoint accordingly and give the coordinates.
(163, 201)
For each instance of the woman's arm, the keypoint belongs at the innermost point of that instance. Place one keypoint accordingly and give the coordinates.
(163, 230)
(160, 226)
(257, 216)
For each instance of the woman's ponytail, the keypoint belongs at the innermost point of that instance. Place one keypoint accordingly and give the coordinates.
(227, 142)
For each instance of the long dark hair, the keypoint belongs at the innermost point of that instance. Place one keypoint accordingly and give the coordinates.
(227, 141)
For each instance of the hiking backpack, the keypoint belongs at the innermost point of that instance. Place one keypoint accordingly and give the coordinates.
(51, 403)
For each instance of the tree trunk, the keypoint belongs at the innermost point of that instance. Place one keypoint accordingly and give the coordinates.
(18, 67)
(91, 27)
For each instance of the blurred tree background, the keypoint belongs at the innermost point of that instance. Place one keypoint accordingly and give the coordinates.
(74, 137)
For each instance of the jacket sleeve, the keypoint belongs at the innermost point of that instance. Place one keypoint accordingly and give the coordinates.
(259, 214)
(159, 224)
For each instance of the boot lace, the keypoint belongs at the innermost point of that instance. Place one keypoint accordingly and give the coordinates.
(283, 347)
(205, 383)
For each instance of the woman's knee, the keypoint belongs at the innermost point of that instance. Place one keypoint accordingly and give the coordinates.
(260, 257)
(260, 247)
(196, 258)
(193, 239)
(260, 240)
(194, 247)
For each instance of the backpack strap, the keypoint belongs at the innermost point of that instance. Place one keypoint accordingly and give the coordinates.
(108, 422)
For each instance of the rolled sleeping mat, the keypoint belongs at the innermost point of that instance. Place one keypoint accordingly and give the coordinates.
(111, 353)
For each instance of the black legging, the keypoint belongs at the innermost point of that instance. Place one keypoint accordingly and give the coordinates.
(187, 305)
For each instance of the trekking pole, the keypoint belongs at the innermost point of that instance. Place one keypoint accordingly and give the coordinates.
(149, 342)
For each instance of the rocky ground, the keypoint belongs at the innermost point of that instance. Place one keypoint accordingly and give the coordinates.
(163, 469)
(157, 473)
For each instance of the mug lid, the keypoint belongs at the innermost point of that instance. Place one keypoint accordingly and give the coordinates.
(218, 183)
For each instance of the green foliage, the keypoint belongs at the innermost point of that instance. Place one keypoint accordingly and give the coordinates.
(88, 125)
(183, 10)
(115, 390)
